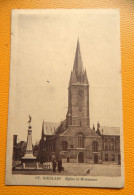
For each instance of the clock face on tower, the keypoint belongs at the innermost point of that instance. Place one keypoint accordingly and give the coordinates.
(81, 92)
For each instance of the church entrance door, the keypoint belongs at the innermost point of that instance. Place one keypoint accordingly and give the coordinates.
(80, 157)
(96, 159)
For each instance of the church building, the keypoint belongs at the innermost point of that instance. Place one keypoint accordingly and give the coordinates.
(74, 140)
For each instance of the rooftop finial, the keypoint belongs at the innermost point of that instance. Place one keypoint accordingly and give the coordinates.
(98, 125)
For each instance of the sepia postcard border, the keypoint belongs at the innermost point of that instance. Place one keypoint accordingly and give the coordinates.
(54, 180)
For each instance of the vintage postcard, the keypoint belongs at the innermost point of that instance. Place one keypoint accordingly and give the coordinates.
(65, 101)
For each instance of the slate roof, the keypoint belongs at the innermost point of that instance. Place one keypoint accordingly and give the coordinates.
(110, 130)
(67, 131)
(87, 132)
(61, 128)
(50, 127)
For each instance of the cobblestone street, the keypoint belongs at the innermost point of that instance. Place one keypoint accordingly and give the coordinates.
(78, 169)
(92, 170)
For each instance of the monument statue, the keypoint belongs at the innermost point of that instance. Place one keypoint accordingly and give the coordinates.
(30, 118)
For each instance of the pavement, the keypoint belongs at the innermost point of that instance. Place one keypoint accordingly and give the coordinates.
(78, 169)
(92, 170)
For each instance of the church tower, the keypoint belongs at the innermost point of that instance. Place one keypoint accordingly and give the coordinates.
(78, 94)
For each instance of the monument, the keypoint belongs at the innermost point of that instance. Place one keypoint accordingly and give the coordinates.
(29, 160)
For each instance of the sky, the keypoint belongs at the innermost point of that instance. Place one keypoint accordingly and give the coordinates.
(43, 45)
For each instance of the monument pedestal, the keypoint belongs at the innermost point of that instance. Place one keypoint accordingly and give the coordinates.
(29, 163)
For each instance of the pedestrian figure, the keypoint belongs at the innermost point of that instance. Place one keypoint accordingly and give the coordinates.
(59, 165)
(54, 165)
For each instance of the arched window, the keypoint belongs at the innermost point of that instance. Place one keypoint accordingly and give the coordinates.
(95, 146)
(80, 140)
(64, 145)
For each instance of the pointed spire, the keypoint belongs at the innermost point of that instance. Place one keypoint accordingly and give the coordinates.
(73, 78)
(78, 64)
(78, 75)
(70, 79)
(85, 77)
(42, 136)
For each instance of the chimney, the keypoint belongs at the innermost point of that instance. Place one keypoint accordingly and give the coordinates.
(15, 140)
